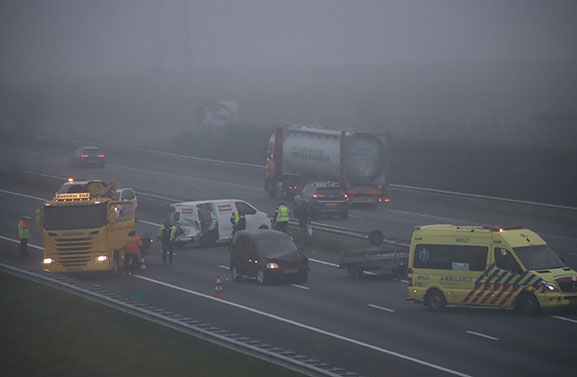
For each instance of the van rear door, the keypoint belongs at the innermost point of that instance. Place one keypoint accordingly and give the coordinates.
(224, 211)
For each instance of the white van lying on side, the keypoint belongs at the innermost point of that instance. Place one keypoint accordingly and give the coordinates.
(193, 219)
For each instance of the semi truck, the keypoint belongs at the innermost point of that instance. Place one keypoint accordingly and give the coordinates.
(358, 161)
(86, 229)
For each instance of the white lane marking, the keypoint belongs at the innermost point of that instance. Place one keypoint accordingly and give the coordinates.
(148, 222)
(23, 195)
(323, 262)
(356, 217)
(564, 319)
(311, 328)
(574, 254)
(195, 180)
(307, 327)
(300, 286)
(225, 267)
(382, 308)
(470, 222)
(404, 281)
(18, 241)
(481, 335)
(431, 216)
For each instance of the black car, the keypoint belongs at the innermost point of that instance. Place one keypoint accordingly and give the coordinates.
(87, 156)
(322, 198)
(266, 255)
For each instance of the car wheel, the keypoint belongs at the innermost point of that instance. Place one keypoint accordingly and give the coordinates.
(236, 276)
(261, 277)
(303, 277)
(527, 304)
(435, 300)
(354, 272)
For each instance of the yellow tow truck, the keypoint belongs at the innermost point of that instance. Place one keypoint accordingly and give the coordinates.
(86, 230)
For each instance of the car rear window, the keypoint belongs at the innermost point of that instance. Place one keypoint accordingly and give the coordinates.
(332, 191)
(273, 244)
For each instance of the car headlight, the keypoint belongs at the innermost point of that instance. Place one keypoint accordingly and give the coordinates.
(271, 266)
(101, 258)
(549, 286)
(48, 260)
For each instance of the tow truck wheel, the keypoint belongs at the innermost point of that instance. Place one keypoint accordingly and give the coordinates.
(115, 271)
(527, 304)
(435, 300)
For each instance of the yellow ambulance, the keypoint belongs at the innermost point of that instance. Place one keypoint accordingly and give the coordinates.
(476, 265)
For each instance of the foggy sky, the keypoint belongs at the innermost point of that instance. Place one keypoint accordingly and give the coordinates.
(71, 38)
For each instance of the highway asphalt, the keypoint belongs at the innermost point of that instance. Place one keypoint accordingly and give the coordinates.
(364, 325)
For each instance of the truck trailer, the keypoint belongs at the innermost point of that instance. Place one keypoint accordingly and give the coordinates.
(358, 161)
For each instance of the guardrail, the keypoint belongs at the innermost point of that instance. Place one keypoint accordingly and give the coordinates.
(395, 186)
(205, 331)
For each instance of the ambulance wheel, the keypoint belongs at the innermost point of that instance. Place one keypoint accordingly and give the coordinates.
(527, 304)
(435, 300)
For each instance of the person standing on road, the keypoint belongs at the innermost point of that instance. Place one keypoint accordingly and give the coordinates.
(23, 236)
(238, 221)
(166, 237)
(282, 216)
(131, 256)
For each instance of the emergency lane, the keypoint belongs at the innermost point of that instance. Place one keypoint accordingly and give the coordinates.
(340, 305)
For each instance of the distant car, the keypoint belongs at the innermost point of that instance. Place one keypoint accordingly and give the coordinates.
(323, 198)
(87, 156)
(266, 255)
(126, 193)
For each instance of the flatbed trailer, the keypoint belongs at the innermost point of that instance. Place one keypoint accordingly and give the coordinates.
(380, 259)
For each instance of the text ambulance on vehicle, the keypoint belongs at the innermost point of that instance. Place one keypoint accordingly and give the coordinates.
(474, 265)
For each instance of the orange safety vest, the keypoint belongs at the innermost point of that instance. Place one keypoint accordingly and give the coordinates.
(131, 248)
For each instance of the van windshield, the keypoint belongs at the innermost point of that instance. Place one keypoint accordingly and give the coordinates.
(538, 257)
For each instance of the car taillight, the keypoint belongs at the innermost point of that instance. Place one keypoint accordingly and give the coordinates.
(410, 276)
(101, 155)
(83, 155)
(318, 196)
(347, 197)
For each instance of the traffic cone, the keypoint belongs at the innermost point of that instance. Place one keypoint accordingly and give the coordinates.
(142, 270)
(218, 288)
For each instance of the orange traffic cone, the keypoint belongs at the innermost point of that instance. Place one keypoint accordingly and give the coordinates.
(142, 270)
(218, 289)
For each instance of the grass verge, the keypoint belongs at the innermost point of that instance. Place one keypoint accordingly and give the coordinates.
(46, 332)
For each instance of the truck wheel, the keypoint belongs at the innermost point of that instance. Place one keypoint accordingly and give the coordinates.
(261, 277)
(435, 300)
(527, 304)
(115, 271)
(236, 276)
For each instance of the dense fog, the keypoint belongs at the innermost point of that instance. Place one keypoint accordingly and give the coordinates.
(490, 71)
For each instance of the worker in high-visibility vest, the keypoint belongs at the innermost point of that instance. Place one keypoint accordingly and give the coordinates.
(238, 221)
(166, 235)
(282, 216)
(131, 250)
(23, 236)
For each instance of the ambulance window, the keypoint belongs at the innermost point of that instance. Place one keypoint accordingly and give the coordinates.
(505, 261)
(451, 257)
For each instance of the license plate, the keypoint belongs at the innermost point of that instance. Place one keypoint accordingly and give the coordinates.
(291, 271)
(331, 204)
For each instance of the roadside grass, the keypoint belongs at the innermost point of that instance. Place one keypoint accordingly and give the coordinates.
(46, 332)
